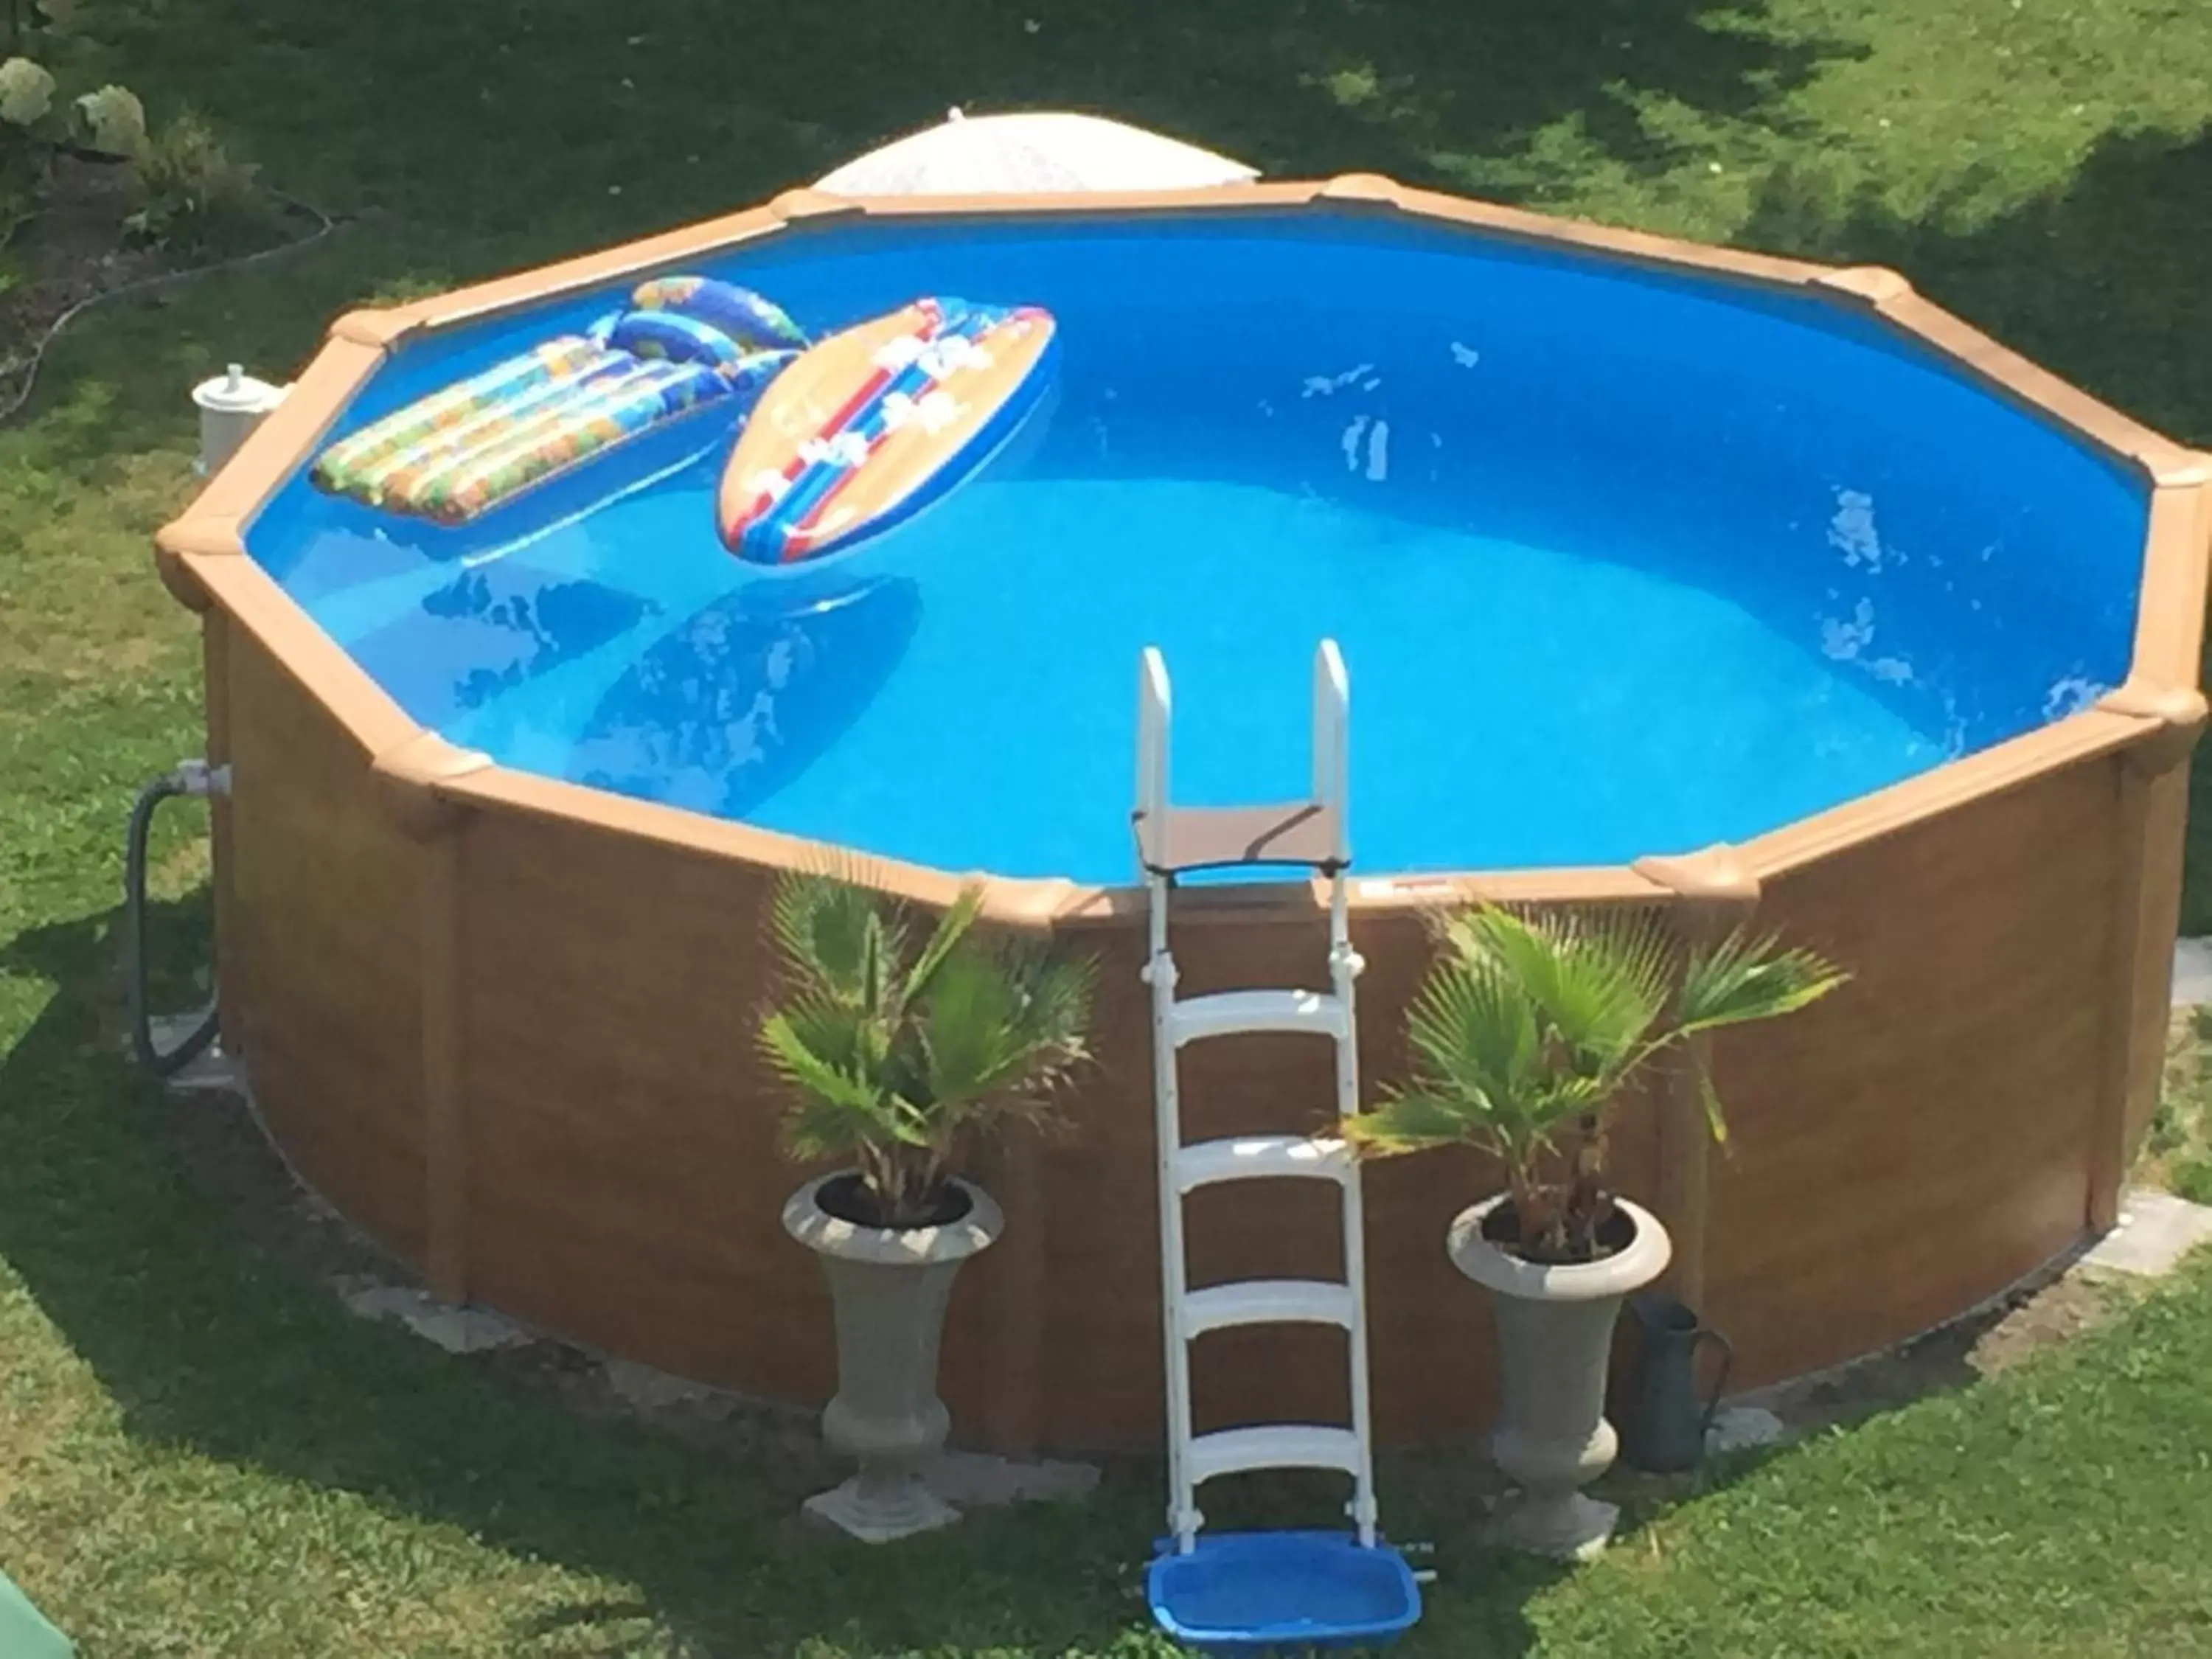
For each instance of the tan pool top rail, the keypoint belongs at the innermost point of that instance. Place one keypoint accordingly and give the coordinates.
(2158, 709)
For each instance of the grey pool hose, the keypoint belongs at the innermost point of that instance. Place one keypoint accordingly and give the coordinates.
(191, 778)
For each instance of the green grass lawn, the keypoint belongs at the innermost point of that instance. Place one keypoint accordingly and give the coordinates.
(201, 1454)
(2177, 1151)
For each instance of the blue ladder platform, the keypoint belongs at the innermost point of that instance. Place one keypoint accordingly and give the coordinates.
(1253, 1594)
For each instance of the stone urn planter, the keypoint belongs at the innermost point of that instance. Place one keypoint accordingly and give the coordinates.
(1554, 1339)
(889, 1286)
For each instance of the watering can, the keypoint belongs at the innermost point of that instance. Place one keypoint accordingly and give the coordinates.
(1667, 1420)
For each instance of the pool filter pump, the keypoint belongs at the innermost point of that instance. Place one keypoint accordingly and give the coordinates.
(231, 405)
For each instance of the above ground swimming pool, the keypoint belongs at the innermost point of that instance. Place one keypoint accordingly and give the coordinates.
(1665, 577)
(1622, 561)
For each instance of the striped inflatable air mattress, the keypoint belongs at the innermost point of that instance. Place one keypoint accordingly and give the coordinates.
(684, 346)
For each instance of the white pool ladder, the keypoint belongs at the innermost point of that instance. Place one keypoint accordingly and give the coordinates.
(1171, 840)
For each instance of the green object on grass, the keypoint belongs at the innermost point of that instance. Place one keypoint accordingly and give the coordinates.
(25, 1633)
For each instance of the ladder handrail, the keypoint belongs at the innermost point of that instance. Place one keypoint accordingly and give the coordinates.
(1155, 710)
(1332, 740)
(1331, 777)
(1159, 972)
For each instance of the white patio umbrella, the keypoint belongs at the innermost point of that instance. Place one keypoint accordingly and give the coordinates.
(1027, 152)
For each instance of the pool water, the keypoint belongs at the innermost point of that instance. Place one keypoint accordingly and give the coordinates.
(1619, 562)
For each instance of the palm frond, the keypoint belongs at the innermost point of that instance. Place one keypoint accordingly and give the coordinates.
(1531, 1025)
(1469, 1032)
(1000, 1027)
(814, 1129)
(1480, 1051)
(1744, 978)
(1598, 983)
(966, 1030)
(880, 941)
(1414, 1120)
(888, 1052)
(831, 934)
(816, 1047)
(838, 1032)
(1708, 1099)
(835, 1107)
(914, 1124)
(1055, 1007)
(953, 926)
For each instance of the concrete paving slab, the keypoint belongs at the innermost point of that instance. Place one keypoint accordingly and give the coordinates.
(457, 1330)
(2156, 1230)
(210, 1069)
(1735, 1427)
(643, 1388)
(2192, 972)
(967, 1479)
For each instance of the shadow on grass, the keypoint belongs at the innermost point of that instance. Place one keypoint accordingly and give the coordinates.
(207, 1341)
(552, 123)
(2094, 279)
(462, 140)
(2098, 281)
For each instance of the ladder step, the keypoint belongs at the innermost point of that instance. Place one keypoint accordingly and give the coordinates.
(1273, 1446)
(1267, 1302)
(1227, 1013)
(1259, 1157)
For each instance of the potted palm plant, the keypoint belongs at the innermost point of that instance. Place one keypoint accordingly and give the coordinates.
(895, 1044)
(1524, 1040)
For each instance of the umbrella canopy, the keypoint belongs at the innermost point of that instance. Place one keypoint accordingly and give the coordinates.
(1029, 152)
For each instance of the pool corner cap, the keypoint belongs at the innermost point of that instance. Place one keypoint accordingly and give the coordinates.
(196, 535)
(1364, 189)
(808, 203)
(1713, 881)
(203, 535)
(2184, 468)
(1877, 285)
(408, 775)
(2177, 713)
(1029, 903)
(379, 327)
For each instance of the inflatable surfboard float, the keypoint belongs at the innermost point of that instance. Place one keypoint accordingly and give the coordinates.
(871, 425)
